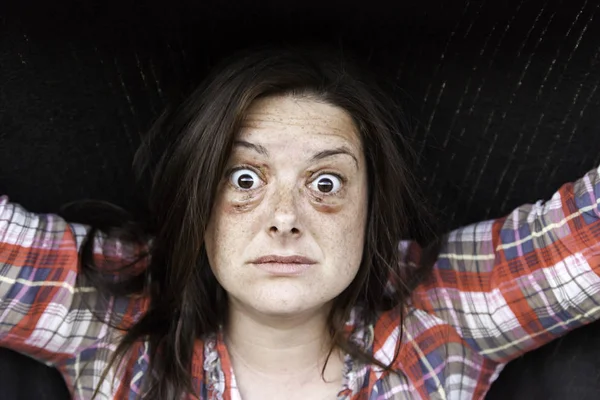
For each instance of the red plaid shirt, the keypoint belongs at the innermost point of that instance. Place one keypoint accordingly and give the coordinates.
(499, 289)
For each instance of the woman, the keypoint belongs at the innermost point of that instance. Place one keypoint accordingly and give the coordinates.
(280, 191)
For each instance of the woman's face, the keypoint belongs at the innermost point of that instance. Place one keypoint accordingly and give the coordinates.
(287, 229)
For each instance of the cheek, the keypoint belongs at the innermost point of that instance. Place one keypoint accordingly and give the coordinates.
(227, 235)
(350, 244)
(219, 249)
(344, 234)
(355, 238)
(218, 240)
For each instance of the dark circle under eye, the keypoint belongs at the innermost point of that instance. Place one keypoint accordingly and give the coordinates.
(325, 185)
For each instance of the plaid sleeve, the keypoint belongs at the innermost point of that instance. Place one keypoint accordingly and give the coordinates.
(512, 284)
(45, 311)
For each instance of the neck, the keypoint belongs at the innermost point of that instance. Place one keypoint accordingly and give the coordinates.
(281, 346)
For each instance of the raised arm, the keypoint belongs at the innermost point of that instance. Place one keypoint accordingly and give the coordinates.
(512, 284)
(45, 311)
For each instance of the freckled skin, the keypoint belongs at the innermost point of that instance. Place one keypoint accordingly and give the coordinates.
(285, 213)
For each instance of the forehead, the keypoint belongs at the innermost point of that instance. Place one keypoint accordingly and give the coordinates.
(301, 118)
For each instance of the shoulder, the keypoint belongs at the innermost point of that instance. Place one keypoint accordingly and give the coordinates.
(404, 333)
(422, 350)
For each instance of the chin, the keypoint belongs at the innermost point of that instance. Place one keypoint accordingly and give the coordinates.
(283, 306)
(281, 312)
(284, 302)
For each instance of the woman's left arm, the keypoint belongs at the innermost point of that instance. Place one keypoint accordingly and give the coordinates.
(512, 284)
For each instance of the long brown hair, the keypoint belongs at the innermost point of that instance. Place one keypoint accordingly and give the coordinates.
(184, 158)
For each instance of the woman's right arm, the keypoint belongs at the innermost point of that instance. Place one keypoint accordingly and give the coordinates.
(46, 312)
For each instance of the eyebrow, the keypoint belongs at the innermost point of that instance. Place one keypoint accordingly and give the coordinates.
(256, 147)
(333, 152)
(319, 156)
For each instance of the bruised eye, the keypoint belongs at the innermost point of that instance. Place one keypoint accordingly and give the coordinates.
(326, 183)
(245, 179)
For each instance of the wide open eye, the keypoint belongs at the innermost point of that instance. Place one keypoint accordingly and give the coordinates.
(326, 184)
(245, 179)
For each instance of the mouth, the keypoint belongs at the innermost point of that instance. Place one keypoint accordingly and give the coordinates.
(283, 265)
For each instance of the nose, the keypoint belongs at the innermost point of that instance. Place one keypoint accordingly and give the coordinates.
(284, 219)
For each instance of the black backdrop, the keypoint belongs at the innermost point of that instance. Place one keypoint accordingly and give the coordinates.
(502, 99)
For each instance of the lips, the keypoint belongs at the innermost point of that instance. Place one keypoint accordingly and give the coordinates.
(283, 265)
(273, 259)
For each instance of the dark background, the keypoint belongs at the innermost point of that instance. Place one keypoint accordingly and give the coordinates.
(501, 97)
